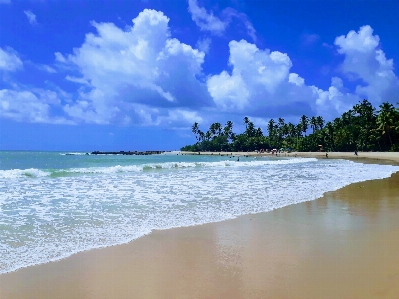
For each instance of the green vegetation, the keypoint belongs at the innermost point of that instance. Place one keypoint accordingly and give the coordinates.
(362, 128)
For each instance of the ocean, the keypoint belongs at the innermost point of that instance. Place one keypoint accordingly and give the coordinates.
(55, 204)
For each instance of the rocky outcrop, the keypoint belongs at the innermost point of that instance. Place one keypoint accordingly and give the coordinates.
(128, 153)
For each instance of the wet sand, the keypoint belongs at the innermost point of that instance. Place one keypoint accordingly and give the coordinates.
(343, 245)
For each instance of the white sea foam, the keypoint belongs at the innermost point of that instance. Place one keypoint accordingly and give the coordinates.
(21, 173)
(74, 154)
(47, 219)
(34, 173)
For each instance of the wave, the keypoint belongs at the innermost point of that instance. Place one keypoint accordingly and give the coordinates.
(77, 214)
(74, 154)
(20, 173)
(37, 173)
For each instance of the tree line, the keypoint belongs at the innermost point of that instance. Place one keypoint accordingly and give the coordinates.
(362, 128)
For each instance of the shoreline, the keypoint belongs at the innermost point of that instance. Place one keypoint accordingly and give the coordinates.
(91, 256)
(374, 157)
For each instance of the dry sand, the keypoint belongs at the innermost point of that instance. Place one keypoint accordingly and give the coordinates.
(343, 245)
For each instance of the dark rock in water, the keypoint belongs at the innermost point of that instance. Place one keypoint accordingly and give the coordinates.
(128, 153)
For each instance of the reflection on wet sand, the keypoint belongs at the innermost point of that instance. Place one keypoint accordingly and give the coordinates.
(344, 245)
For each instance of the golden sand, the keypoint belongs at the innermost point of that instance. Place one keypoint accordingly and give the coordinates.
(343, 245)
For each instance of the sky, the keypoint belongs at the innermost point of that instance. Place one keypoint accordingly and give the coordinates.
(135, 75)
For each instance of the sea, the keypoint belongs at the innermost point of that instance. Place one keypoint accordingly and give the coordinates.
(55, 204)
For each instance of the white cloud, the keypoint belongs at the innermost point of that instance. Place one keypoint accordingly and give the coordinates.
(204, 44)
(209, 22)
(243, 18)
(9, 60)
(261, 82)
(295, 79)
(179, 117)
(31, 17)
(365, 61)
(135, 66)
(30, 106)
(77, 80)
(46, 68)
(259, 78)
(335, 100)
(204, 20)
(59, 57)
(41, 67)
(229, 91)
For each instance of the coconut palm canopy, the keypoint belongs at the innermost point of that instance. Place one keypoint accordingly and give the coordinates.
(362, 128)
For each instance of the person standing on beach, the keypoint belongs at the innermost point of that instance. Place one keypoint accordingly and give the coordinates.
(355, 152)
(327, 155)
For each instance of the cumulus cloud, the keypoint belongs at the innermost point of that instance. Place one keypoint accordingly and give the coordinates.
(261, 83)
(259, 79)
(365, 61)
(141, 65)
(9, 60)
(30, 106)
(31, 17)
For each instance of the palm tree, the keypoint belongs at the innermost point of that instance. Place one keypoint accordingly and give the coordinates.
(250, 131)
(258, 132)
(291, 129)
(284, 130)
(320, 122)
(298, 131)
(195, 129)
(313, 123)
(281, 122)
(246, 121)
(218, 128)
(212, 129)
(304, 121)
(270, 127)
(228, 129)
(386, 118)
(201, 135)
(330, 134)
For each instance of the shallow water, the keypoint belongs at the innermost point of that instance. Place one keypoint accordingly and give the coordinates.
(53, 205)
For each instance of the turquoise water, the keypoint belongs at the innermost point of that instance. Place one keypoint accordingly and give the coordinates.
(53, 204)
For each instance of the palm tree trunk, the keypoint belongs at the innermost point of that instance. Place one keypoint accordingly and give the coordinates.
(390, 139)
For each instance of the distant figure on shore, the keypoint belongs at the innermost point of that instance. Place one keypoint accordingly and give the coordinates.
(238, 159)
(355, 152)
(327, 155)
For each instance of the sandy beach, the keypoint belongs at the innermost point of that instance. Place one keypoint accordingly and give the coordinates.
(373, 157)
(343, 245)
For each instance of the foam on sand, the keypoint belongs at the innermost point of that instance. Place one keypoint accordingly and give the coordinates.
(48, 218)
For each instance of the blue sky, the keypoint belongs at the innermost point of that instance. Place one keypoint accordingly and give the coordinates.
(135, 75)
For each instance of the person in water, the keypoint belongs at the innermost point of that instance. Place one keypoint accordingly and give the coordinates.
(238, 159)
